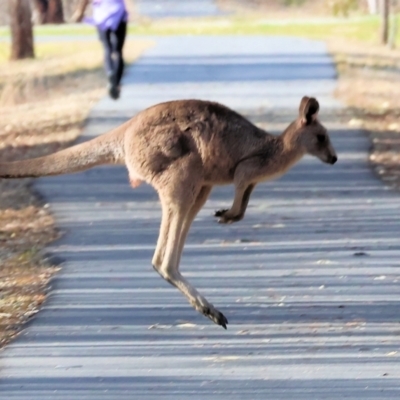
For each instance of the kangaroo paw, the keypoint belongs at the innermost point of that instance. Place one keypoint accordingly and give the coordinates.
(226, 219)
(220, 213)
(216, 316)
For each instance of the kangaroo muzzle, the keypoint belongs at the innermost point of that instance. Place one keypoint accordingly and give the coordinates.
(332, 160)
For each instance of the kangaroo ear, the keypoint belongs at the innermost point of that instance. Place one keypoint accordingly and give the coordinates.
(308, 110)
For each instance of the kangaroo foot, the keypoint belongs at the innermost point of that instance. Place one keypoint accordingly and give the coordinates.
(226, 218)
(216, 316)
(220, 213)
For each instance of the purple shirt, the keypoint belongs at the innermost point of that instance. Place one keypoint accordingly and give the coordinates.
(108, 14)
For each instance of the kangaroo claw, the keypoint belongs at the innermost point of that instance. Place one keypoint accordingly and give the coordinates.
(226, 219)
(216, 316)
(220, 213)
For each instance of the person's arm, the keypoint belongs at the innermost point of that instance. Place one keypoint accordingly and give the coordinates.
(130, 8)
(80, 12)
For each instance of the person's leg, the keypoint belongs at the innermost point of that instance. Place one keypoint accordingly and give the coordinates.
(118, 44)
(105, 38)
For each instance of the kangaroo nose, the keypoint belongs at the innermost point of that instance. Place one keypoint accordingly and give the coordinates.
(333, 160)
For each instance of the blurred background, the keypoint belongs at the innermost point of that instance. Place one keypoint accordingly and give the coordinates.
(51, 75)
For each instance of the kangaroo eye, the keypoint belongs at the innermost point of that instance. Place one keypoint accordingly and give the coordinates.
(321, 138)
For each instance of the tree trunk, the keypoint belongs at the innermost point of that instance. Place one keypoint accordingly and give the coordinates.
(69, 7)
(49, 11)
(392, 24)
(21, 29)
(55, 14)
(385, 21)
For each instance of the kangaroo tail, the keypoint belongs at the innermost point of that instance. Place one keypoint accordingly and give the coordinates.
(104, 149)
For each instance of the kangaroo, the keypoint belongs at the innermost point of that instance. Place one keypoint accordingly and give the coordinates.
(183, 148)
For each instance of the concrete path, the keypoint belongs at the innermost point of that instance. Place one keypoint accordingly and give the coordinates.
(309, 280)
(158, 9)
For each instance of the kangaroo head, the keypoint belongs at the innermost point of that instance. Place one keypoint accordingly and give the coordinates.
(312, 134)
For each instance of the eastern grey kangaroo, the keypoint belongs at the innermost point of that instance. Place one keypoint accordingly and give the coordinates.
(183, 148)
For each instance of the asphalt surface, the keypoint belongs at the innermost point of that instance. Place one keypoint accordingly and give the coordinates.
(308, 280)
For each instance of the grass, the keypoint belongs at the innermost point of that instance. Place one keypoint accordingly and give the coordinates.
(69, 67)
(56, 51)
(54, 92)
(363, 28)
(55, 30)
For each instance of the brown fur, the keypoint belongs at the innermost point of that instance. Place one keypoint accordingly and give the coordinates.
(184, 148)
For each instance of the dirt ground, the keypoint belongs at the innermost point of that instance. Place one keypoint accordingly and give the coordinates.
(44, 104)
(369, 83)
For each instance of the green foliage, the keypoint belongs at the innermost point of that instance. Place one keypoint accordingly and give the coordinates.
(293, 2)
(342, 7)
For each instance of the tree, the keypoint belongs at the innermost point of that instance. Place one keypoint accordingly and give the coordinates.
(393, 24)
(21, 29)
(49, 11)
(55, 14)
(70, 7)
(385, 21)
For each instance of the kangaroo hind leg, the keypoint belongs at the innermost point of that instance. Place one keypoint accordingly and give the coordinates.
(197, 206)
(166, 220)
(177, 217)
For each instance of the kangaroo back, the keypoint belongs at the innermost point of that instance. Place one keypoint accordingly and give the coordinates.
(104, 149)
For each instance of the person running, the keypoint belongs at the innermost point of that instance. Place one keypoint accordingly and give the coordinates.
(110, 18)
